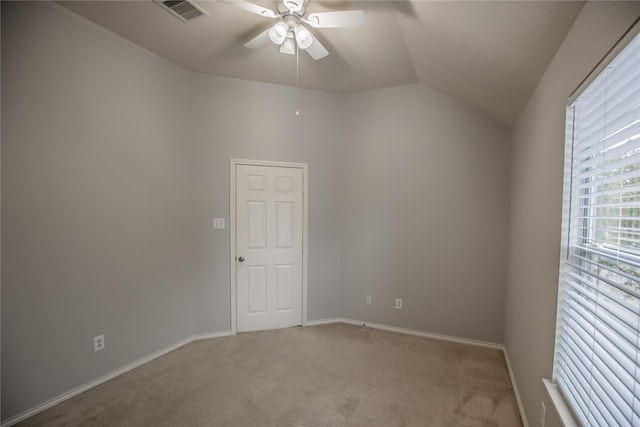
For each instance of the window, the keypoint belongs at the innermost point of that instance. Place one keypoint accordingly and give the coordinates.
(597, 362)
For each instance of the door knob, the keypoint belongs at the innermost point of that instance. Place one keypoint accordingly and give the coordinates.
(241, 259)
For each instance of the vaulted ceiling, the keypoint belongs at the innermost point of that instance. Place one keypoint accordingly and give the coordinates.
(487, 54)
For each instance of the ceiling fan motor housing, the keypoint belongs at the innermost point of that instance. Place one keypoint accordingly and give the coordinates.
(291, 21)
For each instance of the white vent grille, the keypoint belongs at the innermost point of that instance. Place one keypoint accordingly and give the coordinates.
(184, 10)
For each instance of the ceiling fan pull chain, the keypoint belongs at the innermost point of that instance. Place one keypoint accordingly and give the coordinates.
(297, 81)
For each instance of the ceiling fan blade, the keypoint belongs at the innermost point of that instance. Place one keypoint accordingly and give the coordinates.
(259, 41)
(341, 19)
(316, 50)
(251, 7)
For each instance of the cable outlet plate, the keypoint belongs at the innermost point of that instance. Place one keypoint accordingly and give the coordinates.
(98, 343)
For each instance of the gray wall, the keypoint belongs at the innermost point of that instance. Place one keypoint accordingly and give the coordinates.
(240, 119)
(113, 167)
(0, 223)
(96, 230)
(536, 198)
(115, 161)
(425, 199)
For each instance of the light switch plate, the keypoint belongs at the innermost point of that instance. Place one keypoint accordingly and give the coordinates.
(218, 223)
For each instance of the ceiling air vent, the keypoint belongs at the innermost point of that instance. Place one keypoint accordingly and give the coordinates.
(185, 10)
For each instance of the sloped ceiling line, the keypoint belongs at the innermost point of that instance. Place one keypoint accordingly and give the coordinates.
(487, 54)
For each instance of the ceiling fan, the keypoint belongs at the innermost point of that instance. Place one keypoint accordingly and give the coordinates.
(290, 32)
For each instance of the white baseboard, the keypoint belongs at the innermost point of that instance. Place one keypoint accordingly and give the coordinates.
(432, 335)
(352, 321)
(199, 337)
(525, 423)
(407, 331)
(325, 321)
(103, 379)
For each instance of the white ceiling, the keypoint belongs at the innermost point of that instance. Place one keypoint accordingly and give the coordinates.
(488, 54)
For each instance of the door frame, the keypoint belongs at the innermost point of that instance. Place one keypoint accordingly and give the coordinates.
(232, 229)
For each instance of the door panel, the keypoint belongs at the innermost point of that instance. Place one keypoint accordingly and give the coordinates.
(285, 287)
(284, 225)
(269, 227)
(257, 289)
(257, 225)
(284, 183)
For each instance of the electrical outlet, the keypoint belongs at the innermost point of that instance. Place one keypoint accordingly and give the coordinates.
(399, 303)
(543, 413)
(218, 223)
(367, 299)
(98, 343)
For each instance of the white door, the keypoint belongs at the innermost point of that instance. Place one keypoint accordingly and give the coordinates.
(269, 228)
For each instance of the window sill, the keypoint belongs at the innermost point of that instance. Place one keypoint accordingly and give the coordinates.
(560, 405)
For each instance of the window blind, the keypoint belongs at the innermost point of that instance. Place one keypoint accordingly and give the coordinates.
(597, 360)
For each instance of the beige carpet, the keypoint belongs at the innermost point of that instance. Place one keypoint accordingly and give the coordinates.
(329, 375)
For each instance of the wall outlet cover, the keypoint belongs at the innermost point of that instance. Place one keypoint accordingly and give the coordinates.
(98, 343)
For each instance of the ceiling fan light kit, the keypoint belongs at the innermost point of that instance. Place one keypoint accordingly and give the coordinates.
(303, 37)
(288, 46)
(289, 32)
(278, 32)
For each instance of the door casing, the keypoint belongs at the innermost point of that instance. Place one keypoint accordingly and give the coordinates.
(232, 227)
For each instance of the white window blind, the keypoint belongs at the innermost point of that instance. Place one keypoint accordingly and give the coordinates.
(597, 361)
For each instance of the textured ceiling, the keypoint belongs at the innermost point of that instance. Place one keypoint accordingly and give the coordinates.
(487, 54)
